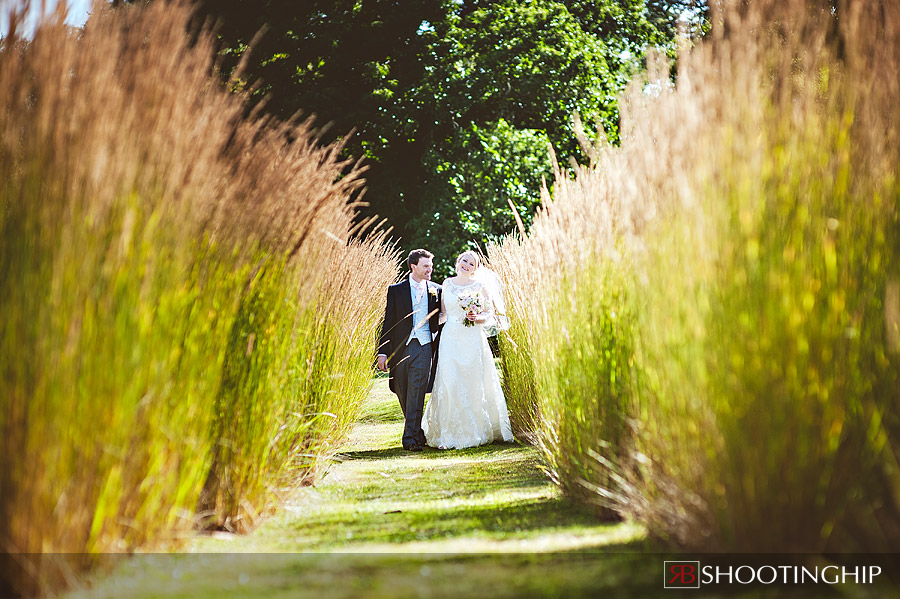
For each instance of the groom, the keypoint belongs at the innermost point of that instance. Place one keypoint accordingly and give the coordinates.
(408, 344)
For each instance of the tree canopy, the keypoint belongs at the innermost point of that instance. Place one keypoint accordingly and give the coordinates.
(452, 102)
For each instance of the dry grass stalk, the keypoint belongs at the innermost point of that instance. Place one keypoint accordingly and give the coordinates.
(743, 212)
(140, 213)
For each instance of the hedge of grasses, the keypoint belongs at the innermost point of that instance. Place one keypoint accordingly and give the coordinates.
(711, 311)
(567, 356)
(186, 325)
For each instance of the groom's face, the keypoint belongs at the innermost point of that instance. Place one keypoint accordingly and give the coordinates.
(422, 270)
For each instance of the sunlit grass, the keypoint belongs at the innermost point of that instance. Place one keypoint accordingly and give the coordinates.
(383, 521)
(468, 522)
(378, 498)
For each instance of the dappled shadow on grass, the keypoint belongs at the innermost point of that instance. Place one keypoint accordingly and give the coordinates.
(492, 473)
(381, 406)
(385, 412)
(427, 452)
(452, 481)
(446, 515)
(376, 454)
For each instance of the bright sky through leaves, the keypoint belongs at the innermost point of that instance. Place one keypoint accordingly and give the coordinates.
(78, 13)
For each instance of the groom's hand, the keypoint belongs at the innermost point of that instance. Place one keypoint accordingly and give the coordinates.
(382, 363)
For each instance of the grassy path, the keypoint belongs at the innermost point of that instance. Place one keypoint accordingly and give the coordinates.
(378, 498)
(482, 522)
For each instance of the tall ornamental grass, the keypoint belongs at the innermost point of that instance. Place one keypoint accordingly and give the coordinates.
(294, 377)
(567, 357)
(186, 324)
(755, 218)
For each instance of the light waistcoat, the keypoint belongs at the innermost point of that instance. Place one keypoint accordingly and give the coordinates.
(422, 332)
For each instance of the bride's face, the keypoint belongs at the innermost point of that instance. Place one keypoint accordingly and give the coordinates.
(466, 265)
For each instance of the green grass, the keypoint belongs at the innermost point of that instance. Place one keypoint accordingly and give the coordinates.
(481, 522)
(175, 344)
(377, 497)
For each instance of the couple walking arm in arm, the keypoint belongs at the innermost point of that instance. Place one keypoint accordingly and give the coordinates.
(467, 406)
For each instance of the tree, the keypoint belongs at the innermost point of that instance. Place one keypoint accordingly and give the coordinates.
(453, 102)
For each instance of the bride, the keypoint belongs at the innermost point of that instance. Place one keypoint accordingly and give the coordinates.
(467, 407)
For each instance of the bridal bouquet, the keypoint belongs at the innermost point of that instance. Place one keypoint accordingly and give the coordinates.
(471, 303)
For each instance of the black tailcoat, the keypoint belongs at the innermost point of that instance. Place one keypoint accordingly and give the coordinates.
(398, 324)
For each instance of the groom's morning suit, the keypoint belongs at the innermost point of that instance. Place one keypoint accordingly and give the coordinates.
(412, 353)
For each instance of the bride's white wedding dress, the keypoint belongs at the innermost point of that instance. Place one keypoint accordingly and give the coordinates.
(467, 407)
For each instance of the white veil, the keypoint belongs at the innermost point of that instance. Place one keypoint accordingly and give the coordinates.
(497, 321)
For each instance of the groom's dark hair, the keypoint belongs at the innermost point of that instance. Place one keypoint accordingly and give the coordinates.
(415, 255)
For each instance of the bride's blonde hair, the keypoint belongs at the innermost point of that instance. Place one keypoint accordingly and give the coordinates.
(475, 257)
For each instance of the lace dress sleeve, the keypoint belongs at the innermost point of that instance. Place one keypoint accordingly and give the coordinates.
(442, 316)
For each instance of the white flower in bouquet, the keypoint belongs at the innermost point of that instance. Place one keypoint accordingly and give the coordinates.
(471, 303)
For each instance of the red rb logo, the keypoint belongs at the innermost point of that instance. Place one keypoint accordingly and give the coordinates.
(681, 575)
